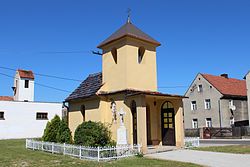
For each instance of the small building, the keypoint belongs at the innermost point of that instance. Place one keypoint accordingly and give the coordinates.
(128, 81)
(215, 101)
(20, 115)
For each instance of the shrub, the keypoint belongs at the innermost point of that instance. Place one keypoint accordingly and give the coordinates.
(63, 134)
(51, 129)
(93, 134)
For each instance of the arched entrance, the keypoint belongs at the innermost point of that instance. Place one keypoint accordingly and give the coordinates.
(168, 124)
(134, 121)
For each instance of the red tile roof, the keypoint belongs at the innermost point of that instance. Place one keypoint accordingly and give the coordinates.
(26, 74)
(6, 98)
(227, 86)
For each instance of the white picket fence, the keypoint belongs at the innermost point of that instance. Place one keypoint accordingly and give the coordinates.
(192, 142)
(90, 153)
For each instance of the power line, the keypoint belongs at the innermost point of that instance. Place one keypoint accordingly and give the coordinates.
(42, 85)
(46, 75)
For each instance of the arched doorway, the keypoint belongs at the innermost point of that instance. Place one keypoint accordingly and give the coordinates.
(168, 124)
(134, 121)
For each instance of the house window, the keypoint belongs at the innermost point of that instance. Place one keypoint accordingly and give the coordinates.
(26, 84)
(200, 89)
(1, 115)
(141, 52)
(193, 105)
(208, 122)
(41, 116)
(207, 104)
(231, 121)
(195, 123)
(231, 102)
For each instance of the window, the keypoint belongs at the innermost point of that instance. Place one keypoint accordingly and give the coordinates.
(231, 121)
(1, 115)
(193, 105)
(207, 104)
(141, 52)
(208, 122)
(83, 112)
(231, 103)
(195, 123)
(114, 54)
(200, 89)
(41, 116)
(26, 85)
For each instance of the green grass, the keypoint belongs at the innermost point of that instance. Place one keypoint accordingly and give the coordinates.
(237, 149)
(13, 153)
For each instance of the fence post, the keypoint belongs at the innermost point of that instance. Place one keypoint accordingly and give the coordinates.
(26, 144)
(98, 153)
(33, 147)
(80, 152)
(139, 148)
(52, 148)
(64, 148)
(42, 145)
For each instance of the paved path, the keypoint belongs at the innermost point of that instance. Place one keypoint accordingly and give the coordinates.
(204, 158)
(220, 142)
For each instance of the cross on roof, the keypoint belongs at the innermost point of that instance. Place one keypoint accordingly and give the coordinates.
(129, 13)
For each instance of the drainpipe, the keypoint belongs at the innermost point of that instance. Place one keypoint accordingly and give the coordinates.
(219, 113)
(67, 107)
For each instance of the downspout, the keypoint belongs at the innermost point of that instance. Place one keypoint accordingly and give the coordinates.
(67, 107)
(219, 113)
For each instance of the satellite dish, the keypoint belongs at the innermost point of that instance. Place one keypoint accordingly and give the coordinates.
(233, 108)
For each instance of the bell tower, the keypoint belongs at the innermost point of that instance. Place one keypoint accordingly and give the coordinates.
(129, 60)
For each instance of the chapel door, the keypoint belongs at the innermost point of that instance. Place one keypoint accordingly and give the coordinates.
(168, 124)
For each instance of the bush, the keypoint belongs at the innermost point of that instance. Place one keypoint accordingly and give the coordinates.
(93, 134)
(64, 134)
(52, 129)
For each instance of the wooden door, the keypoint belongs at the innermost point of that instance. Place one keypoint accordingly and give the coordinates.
(168, 126)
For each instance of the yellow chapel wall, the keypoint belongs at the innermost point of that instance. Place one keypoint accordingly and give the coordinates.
(93, 108)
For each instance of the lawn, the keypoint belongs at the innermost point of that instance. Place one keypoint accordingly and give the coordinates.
(13, 153)
(237, 149)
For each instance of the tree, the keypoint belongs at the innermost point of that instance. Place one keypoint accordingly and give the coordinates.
(93, 134)
(52, 129)
(64, 134)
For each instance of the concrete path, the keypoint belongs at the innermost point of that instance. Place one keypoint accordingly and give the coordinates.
(204, 158)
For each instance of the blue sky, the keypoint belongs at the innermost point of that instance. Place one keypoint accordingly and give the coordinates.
(196, 36)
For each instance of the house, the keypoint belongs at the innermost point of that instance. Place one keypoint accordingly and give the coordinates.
(215, 101)
(128, 81)
(247, 78)
(20, 115)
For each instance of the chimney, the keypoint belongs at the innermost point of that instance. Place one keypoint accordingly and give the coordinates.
(224, 75)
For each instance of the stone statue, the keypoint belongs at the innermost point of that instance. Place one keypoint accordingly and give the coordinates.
(122, 113)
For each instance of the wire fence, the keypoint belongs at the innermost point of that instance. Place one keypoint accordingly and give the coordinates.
(192, 142)
(82, 152)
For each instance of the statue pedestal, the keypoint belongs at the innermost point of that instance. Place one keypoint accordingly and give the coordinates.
(122, 136)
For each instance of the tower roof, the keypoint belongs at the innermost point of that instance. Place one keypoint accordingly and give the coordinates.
(129, 30)
(26, 74)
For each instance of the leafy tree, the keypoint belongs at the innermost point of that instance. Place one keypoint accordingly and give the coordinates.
(52, 129)
(63, 134)
(93, 134)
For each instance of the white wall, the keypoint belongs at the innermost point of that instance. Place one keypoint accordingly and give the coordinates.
(20, 118)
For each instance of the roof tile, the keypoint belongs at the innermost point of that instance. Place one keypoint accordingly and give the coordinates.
(87, 88)
(26, 74)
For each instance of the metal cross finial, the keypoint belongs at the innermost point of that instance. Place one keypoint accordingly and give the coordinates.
(129, 13)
